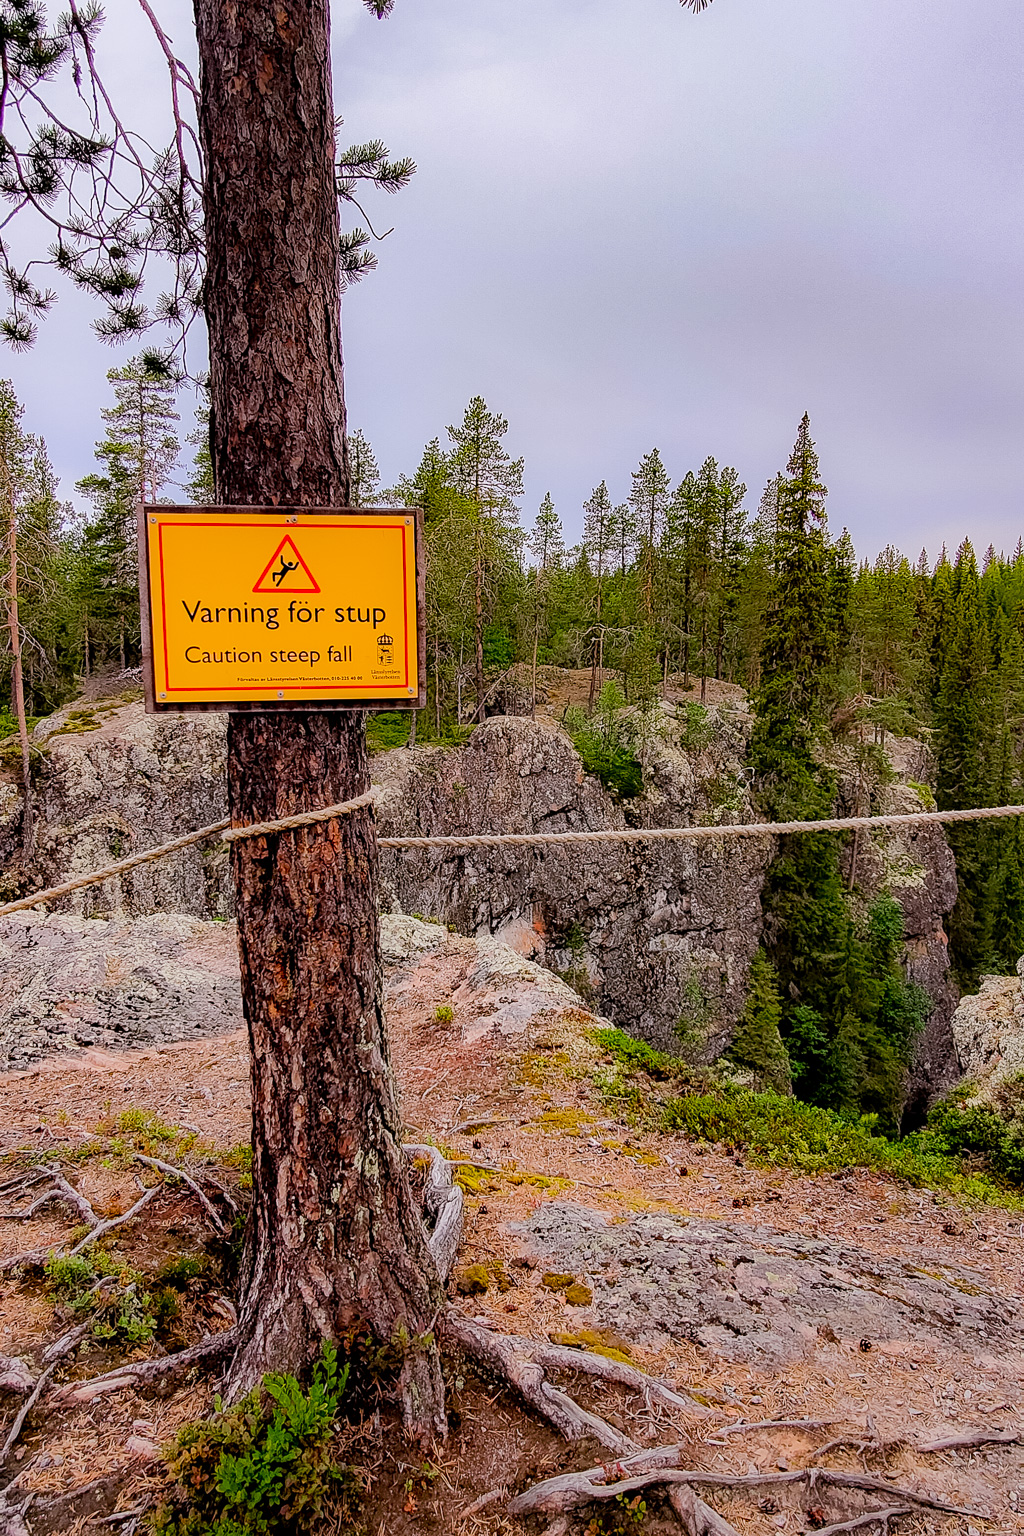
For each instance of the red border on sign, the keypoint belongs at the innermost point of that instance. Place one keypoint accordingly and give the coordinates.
(286, 688)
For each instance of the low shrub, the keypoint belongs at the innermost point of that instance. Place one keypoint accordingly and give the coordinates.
(959, 1150)
(262, 1468)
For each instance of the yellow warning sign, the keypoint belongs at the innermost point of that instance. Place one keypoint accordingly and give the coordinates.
(278, 606)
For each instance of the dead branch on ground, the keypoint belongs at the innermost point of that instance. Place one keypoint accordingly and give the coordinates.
(171, 1172)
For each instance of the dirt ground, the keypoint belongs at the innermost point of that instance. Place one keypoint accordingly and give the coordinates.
(562, 686)
(526, 1117)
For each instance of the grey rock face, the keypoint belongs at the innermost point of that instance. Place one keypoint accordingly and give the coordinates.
(74, 982)
(915, 865)
(651, 934)
(988, 1031)
(137, 781)
(641, 928)
(754, 1294)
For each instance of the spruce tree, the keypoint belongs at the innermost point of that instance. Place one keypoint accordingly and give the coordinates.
(797, 644)
(648, 500)
(600, 533)
(757, 1045)
(138, 455)
(489, 478)
(365, 476)
(961, 743)
(547, 544)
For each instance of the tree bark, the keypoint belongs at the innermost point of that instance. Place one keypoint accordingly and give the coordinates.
(478, 634)
(335, 1243)
(17, 673)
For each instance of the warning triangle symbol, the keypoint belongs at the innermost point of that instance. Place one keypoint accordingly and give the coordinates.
(286, 571)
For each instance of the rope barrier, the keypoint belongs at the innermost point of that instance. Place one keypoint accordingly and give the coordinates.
(699, 834)
(229, 834)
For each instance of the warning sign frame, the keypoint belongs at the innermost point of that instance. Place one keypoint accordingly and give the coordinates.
(159, 697)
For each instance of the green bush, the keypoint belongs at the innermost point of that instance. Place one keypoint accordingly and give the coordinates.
(982, 1132)
(388, 729)
(604, 743)
(262, 1468)
(775, 1130)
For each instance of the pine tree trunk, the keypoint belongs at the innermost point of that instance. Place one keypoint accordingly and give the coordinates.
(478, 636)
(14, 625)
(335, 1241)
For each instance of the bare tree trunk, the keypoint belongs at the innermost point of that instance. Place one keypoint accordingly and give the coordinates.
(437, 686)
(478, 636)
(335, 1241)
(14, 625)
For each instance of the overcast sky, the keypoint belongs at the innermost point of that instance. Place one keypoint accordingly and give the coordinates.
(635, 227)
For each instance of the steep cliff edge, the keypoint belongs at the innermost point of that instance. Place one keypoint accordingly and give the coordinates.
(657, 937)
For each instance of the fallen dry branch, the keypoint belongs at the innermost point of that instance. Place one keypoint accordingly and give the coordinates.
(179, 1173)
(696, 1517)
(872, 1517)
(141, 1373)
(972, 1438)
(116, 1221)
(558, 1495)
(752, 1428)
(500, 1356)
(23, 1413)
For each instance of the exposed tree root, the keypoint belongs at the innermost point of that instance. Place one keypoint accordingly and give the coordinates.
(500, 1356)
(23, 1413)
(117, 1221)
(970, 1439)
(62, 1192)
(558, 1495)
(556, 1357)
(165, 1370)
(179, 1173)
(696, 1517)
(11, 1517)
(442, 1205)
(15, 1375)
(872, 1517)
(753, 1427)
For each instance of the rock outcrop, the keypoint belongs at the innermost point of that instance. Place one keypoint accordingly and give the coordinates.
(658, 937)
(915, 865)
(988, 1031)
(73, 984)
(754, 1294)
(655, 935)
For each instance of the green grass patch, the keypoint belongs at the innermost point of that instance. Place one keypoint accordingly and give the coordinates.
(777, 1131)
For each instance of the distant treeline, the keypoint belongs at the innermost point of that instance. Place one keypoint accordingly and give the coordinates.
(678, 580)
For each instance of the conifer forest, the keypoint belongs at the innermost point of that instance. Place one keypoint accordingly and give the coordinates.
(688, 578)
